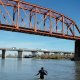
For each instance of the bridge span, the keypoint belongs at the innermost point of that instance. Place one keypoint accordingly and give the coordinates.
(33, 51)
(20, 16)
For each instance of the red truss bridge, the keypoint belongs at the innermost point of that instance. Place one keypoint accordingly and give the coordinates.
(20, 16)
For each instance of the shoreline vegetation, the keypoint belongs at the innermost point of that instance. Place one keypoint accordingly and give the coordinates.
(45, 56)
(55, 56)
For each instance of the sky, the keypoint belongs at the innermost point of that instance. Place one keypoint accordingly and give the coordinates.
(70, 8)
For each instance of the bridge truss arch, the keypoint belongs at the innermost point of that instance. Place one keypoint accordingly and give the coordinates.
(20, 16)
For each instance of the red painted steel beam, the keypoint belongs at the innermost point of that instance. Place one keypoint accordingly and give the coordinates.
(38, 32)
(45, 12)
(40, 10)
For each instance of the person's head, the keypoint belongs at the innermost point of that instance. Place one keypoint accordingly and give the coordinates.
(42, 68)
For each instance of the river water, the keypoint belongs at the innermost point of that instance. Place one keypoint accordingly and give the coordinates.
(26, 69)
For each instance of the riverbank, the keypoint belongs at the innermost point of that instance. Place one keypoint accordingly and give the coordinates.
(55, 56)
(45, 56)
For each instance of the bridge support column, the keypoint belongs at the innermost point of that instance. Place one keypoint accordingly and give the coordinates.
(46, 53)
(34, 53)
(77, 50)
(3, 54)
(20, 54)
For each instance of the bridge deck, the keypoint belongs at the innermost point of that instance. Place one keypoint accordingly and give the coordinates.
(37, 32)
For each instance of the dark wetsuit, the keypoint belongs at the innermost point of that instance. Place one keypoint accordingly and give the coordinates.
(42, 73)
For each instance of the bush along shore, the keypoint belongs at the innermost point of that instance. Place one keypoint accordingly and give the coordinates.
(54, 56)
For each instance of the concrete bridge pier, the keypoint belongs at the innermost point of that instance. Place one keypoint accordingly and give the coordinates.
(3, 54)
(34, 53)
(46, 53)
(77, 50)
(20, 54)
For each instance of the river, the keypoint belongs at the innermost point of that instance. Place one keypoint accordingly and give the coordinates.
(26, 69)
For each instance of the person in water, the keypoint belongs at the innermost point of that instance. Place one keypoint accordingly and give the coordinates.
(42, 72)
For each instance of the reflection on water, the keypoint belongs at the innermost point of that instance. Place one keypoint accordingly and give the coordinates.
(19, 63)
(2, 63)
(77, 70)
(26, 69)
